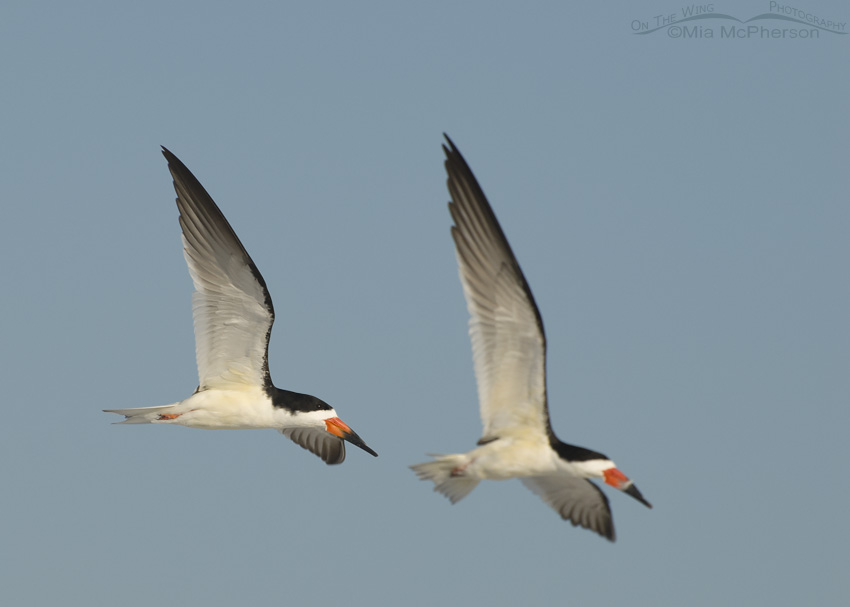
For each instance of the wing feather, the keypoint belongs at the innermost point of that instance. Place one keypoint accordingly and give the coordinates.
(505, 327)
(327, 446)
(232, 308)
(577, 500)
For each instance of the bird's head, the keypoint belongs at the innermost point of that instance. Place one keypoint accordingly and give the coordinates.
(313, 424)
(322, 432)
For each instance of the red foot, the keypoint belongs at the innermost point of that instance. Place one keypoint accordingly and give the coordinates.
(460, 469)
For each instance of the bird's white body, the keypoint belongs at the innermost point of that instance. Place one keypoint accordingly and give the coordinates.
(518, 456)
(517, 453)
(244, 408)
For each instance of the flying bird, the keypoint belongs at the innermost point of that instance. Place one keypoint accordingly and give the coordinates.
(233, 316)
(509, 353)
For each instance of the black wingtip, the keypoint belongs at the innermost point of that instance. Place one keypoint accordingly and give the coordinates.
(450, 151)
(604, 529)
(173, 161)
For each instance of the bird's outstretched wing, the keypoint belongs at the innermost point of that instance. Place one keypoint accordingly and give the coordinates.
(508, 342)
(576, 499)
(232, 308)
(327, 446)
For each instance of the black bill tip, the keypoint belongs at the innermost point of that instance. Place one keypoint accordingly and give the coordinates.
(355, 440)
(633, 491)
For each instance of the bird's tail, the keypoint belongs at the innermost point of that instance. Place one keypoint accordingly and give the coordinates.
(143, 415)
(444, 471)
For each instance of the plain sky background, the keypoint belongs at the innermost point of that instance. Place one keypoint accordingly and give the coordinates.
(679, 207)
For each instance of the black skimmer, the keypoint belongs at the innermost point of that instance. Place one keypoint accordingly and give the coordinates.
(233, 316)
(509, 352)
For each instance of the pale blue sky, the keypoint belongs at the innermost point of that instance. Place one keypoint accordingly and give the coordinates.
(679, 207)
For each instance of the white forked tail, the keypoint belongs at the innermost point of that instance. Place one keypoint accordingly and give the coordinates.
(440, 471)
(143, 415)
